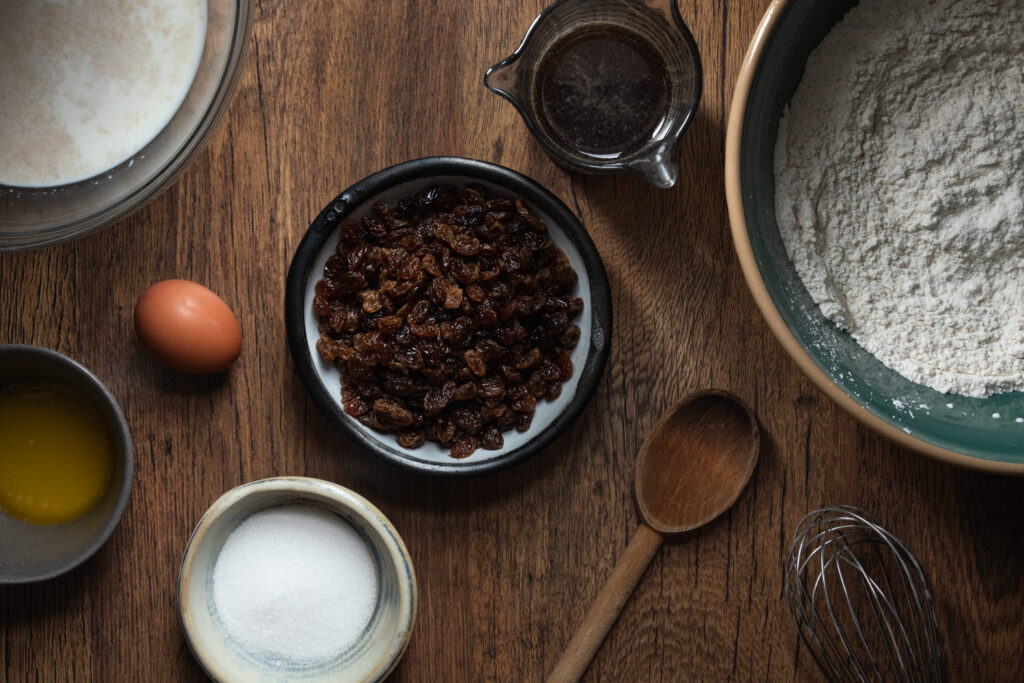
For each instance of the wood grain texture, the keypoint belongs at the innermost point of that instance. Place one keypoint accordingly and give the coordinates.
(602, 615)
(507, 564)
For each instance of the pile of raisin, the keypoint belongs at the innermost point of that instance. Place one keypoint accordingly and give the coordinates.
(448, 316)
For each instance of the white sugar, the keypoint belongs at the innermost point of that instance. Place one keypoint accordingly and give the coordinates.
(295, 584)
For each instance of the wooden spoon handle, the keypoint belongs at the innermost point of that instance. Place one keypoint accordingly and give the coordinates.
(605, 610)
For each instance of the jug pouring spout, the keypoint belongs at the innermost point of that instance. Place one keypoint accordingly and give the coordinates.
(504, 79)
(659, 169)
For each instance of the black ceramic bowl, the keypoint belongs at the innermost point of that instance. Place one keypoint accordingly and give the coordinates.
(321, 378)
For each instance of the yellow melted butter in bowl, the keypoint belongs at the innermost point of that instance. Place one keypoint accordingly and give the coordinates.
(56, 453)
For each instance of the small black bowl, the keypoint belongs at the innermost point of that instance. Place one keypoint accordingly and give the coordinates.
(322, 380)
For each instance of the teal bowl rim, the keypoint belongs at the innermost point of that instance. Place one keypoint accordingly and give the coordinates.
(751, 272)
(332, 495)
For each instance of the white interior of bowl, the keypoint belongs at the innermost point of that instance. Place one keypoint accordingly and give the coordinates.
(546, 411)
(373, 654)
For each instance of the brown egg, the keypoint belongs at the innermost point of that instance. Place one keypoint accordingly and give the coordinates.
(188, 327)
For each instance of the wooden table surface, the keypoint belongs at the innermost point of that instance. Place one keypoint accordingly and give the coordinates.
(507, 564)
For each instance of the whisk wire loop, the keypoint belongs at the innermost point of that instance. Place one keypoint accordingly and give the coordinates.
(860, 600)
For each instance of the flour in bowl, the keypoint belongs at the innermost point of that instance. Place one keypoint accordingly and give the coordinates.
(899, 171)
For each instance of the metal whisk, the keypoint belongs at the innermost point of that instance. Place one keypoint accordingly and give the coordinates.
(860, 600)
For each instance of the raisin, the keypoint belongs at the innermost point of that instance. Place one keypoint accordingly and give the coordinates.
(536, 386)
(373, 422)
(491, 387)
(465, 273)
(468, 420)
(548, 371)
(320, 305)
(392, 411)
(555, 323)
(437, 290)
(430, 266)
(444, 431)
(464, 447)
(370, 391)
(508, 419)
(349, 231)
(400, 385)
(564, 363)
(419, 312)
(475, 362)
(524, 404)
(466, 392)
(409, 269)
(351, 282)
(495, 412)
(355, 406)
(570, 337)
(428, 331)
(554, 390)
(531, 358)
(466, 245)
(438, 397)
(485, 317)
(511, 374)
(491, 439)
(371, 300)
(453, 297)
(411, 438)
(389, 324)
(412, 242)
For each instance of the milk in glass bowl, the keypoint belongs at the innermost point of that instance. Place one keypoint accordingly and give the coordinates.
(105, 102)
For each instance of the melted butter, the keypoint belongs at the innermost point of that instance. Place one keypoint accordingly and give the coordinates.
(56, 453)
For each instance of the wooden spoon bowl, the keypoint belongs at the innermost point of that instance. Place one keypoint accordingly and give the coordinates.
(696, 461)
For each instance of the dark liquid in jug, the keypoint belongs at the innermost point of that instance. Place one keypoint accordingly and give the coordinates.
(601, 91)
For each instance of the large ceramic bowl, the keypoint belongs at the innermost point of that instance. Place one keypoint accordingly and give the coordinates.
(322, 380)
(31, 218)
(984, 434)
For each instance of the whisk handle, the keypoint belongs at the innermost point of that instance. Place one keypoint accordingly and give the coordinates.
(605, 610)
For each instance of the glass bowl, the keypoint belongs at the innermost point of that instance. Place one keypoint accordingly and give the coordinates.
(37, 217)
(659, 25)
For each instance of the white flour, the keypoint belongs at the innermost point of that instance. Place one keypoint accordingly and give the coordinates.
(899, 175)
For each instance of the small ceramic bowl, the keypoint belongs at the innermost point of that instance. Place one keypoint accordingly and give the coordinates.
(377, 650)
(980, 433)
(321, 378)
(32, 552)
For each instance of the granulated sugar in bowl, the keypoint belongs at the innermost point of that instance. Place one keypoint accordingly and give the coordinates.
(296, 578)
(295, 583)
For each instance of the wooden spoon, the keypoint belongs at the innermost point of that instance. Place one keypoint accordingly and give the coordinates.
(691, 469)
